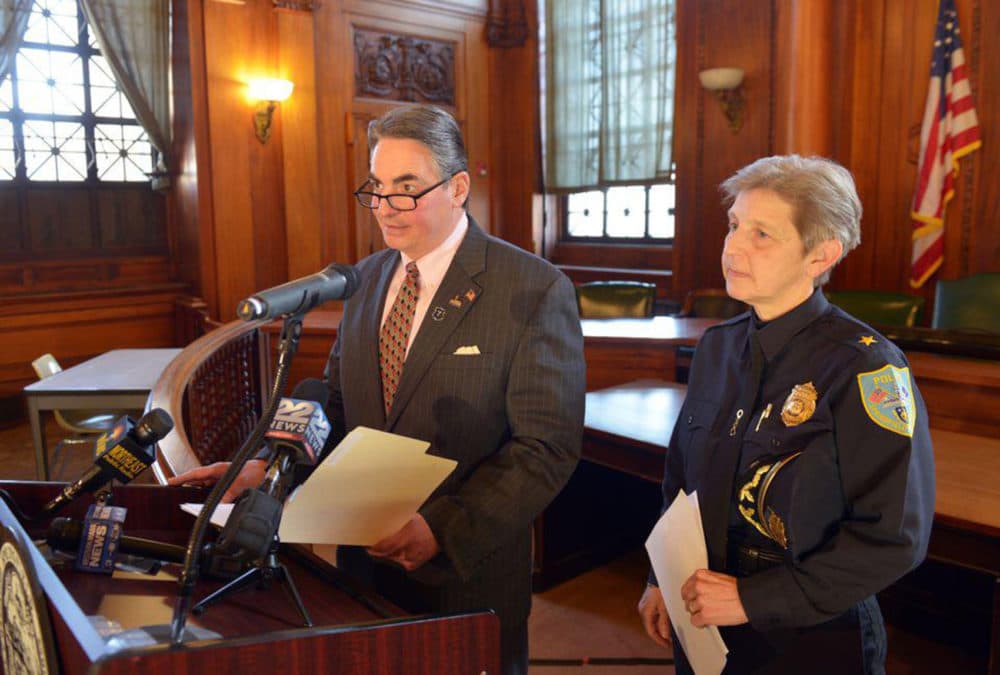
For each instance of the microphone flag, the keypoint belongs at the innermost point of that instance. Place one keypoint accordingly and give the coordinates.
(300, 423)
(102, 529)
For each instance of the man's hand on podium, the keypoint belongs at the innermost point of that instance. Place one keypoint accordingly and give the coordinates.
(251, 476)
(412, 546)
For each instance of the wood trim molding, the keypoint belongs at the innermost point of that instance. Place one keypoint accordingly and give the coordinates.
(969, 175)
(78, 325)
(297, 5)
(86, 274)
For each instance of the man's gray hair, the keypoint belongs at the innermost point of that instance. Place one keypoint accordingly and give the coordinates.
(825, 203)
(427, 124)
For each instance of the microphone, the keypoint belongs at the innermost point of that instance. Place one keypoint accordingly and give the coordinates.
(296, 435)
(65, 534)
(123, 453)
(336, 282)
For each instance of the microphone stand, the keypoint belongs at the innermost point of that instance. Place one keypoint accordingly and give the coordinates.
(291, 331)
(266, 569)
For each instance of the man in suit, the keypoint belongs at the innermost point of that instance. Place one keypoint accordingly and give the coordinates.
(463, 340)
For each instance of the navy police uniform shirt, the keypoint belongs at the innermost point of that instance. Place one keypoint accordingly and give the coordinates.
(823, 411)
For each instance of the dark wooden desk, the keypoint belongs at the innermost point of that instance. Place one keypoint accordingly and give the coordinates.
(625, 350)
(617, 350)
(613, 497)
(628, 427)
(962, 394)
(117, 380)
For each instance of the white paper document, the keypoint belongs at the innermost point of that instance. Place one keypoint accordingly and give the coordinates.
(365, 490)
(676, 548)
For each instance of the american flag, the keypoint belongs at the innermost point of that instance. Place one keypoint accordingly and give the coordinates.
(950, 131)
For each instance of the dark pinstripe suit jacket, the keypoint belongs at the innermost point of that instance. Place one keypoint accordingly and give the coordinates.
(512, 416)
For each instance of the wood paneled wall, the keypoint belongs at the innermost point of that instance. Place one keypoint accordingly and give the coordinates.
(879, 135)
(846, 80)
(75, 326)
(843, 78)
(711, 34)
(255, 215)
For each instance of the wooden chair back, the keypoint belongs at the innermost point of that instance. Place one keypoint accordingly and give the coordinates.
(214, 390)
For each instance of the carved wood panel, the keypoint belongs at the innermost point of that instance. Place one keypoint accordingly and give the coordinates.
(403, 68)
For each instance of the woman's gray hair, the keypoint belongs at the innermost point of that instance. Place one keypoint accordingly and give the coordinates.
(429, 125)
(825, 203)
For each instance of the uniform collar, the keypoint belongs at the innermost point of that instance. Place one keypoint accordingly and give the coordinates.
(775, 334)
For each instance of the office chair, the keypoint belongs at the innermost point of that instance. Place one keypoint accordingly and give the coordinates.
(615, 299)
(704, 303)
(711, 303)
(971, 304)
(878, 308)
(84, 426)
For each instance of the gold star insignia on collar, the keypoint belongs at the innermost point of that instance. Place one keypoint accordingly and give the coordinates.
(867, 340)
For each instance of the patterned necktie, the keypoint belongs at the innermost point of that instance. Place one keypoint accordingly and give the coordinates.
(395, 334)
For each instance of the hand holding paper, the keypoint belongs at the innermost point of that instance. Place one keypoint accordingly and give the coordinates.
(713, 600)
(410, 547)
(676, 548)
(364, 491)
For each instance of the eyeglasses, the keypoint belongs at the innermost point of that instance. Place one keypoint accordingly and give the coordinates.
(399, 202)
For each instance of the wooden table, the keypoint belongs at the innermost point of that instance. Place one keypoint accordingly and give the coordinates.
(613, 497)
(967, 468)
(617, 350)
(625, 350)
(961, 393)
(117, 380)
(628, 427)
(967, 514)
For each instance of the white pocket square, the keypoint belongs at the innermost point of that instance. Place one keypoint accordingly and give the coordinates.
(470, 350)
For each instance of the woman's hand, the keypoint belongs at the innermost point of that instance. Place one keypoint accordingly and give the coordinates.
(655, 620)
(712, 599)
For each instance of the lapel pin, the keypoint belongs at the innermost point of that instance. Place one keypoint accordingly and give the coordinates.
(438, 313)
(455, 302)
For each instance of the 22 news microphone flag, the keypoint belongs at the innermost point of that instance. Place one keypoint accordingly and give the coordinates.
(950, 131)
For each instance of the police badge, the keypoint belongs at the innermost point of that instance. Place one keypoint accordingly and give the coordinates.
(800, 404)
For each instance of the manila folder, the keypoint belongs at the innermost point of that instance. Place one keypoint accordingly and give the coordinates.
(365, 490)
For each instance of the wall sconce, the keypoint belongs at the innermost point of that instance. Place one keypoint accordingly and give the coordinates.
(268, 94)
(725, 82)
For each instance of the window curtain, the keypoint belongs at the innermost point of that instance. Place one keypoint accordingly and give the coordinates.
(14, 16)
(134, 36)
(609, 91)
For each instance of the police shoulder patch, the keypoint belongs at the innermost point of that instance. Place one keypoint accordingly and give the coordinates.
(887, 396)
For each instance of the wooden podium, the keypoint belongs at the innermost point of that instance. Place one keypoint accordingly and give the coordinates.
(55, 619)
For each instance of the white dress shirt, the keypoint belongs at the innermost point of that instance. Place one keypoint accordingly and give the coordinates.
(432, 267)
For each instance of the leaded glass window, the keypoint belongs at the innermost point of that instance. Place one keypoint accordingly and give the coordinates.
(63, 117)
(620, 213)
(607, 81)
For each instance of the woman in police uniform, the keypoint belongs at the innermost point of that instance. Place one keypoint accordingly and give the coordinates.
(806, 439)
